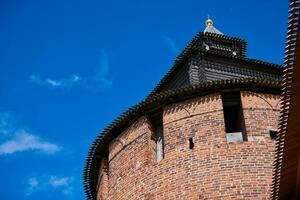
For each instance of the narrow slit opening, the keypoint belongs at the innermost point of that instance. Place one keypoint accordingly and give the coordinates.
(156, 119)
(191, 143)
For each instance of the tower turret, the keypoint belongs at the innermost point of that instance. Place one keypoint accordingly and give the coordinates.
(202, 133)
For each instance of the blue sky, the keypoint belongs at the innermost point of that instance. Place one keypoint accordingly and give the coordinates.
(69, 67)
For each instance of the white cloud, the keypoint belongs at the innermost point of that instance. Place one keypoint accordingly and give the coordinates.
(98, 80)
(55, 83)
(58, 182)
(63, 184)
(171, 44)
(14, 138)
(24, 141)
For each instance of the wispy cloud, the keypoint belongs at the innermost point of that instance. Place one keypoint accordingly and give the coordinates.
(63, 184)
(99, 80)
(7, 124)
(103, 70)
(55, 83)
(18, 139)
(24, 141)
(171, 44)
(32, 183)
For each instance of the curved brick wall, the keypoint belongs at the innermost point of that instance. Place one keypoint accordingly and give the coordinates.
(213, 169)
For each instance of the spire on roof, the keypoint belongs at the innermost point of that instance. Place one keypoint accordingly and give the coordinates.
(210, 28)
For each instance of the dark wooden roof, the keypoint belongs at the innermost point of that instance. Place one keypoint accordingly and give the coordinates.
(214, 56)
(196, 50)
(286, 178)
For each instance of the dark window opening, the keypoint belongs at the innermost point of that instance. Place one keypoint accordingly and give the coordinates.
(273, 134)
(233, 117)
(156, 119)
(191, 143)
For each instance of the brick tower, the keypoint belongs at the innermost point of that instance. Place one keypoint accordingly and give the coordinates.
(205, 132)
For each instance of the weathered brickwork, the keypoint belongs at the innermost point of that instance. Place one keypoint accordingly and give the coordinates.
(261, 112)
(128, 160)
(103, 180)
(213, 169)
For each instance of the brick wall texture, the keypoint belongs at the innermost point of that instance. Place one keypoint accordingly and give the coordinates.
(213, 169)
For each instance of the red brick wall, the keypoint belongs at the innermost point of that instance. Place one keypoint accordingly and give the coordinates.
(103, 180)
(128, 162)
(261, 112)
(214, 169)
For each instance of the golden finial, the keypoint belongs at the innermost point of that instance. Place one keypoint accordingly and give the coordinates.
(209, 22)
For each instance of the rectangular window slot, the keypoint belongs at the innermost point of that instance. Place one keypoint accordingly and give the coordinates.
(233, 117)
(156, 119)
(191, 143)
(273, 134)
(159, 143)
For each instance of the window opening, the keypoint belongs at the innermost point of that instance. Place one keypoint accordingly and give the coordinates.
(273, 134)
(156, 119)
(233, 117)
(191, 143)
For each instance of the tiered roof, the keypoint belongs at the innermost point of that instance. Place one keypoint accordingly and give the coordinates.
(213, 49)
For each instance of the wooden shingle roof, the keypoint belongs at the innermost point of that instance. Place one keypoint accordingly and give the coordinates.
(193, 48)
